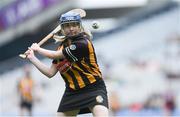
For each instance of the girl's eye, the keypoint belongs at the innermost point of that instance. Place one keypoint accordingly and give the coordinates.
(74, 24)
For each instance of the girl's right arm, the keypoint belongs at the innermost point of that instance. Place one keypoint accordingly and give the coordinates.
(49, 72)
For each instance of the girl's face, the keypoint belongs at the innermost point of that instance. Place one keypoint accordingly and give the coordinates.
(71, 29)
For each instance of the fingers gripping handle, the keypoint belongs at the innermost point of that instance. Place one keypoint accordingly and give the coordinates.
(50, 35)
(40, 43)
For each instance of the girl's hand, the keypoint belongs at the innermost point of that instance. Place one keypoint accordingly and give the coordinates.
(35, 47)
(30, 53)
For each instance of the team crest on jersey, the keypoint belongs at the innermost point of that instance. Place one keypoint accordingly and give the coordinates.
(99, 99)
(72, 47)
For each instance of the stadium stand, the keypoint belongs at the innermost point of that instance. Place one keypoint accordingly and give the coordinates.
(136, 58)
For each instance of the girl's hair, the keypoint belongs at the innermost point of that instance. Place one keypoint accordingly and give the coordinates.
(87, 32)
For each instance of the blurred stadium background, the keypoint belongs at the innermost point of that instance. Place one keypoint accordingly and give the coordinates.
(137, 45)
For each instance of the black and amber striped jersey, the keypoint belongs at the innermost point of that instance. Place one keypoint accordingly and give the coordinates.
(79, 68)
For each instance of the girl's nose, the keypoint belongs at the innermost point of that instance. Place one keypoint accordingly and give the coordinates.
(71, 27)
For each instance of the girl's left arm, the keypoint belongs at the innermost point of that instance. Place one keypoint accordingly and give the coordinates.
(47, 53)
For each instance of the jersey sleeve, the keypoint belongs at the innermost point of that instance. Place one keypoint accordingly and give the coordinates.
(76, 51)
